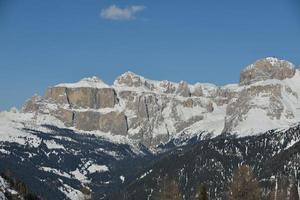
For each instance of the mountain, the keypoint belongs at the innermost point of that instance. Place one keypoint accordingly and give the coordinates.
(152, 112)
(93, 140)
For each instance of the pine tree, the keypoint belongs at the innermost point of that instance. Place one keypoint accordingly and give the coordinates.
(202, 193)
(294, 195)
(244, 185)
(285, 189)
(168, 190)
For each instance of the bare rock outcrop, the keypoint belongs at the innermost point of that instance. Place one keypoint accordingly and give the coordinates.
(82, 97)
(130, 79)
(113, 122)
(183, 89)
(32, 105)
(268, 68)
(88, 120)
(65, 115)
(57, 94)
(106, 98)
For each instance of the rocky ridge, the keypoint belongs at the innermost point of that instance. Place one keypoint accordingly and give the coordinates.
(155, 111)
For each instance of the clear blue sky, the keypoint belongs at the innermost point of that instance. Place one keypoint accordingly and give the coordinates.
(43, 42)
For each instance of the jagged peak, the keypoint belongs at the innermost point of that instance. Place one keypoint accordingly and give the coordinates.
(273, 61)
(130, 79)
(130, 73)
(93, 82)
(267, 68)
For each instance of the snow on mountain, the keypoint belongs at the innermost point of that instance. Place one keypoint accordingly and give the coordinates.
(84, 134)
(270, 104)
(58, 162)
(93, 82)
(153, 112)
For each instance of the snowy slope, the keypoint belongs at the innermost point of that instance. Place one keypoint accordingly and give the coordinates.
(57, 163)
(257, 119)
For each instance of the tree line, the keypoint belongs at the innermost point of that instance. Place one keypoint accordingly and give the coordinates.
(19, 186)
(243, 186)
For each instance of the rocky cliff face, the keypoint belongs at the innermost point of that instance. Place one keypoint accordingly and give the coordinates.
(268, 68)
(154, 111)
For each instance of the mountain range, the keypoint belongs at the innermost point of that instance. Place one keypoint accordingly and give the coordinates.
(93, 140)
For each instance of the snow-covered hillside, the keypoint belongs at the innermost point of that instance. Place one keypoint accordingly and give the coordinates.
(60, 163)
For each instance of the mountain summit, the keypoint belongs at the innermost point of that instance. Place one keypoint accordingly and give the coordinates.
(268, 68)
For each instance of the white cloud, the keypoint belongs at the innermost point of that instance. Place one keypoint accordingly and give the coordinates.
(114, 12)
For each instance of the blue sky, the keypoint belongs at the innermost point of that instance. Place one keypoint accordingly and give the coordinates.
(43, 43)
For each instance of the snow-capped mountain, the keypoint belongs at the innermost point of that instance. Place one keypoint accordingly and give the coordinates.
(153, 112)
(89, 138)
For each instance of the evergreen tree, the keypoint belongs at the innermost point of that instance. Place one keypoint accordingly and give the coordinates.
(244, 185)
(282, 189)
(294, 195)
(202, 193)
(168, 190)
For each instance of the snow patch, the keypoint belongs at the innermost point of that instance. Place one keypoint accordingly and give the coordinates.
(80, 175)
(92, 82)
(145, 174)
(51, 144)
(97, 168)
(55, 171)
(122, 178)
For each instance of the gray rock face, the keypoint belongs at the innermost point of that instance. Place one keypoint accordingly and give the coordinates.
(88, 120)
(130, 79)
(183, 89)
(32, 105)
(113, 122)
(106, 98)
(83, 97)
(57, 94)
(67, 116)
(268, 68)
(153, 111)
